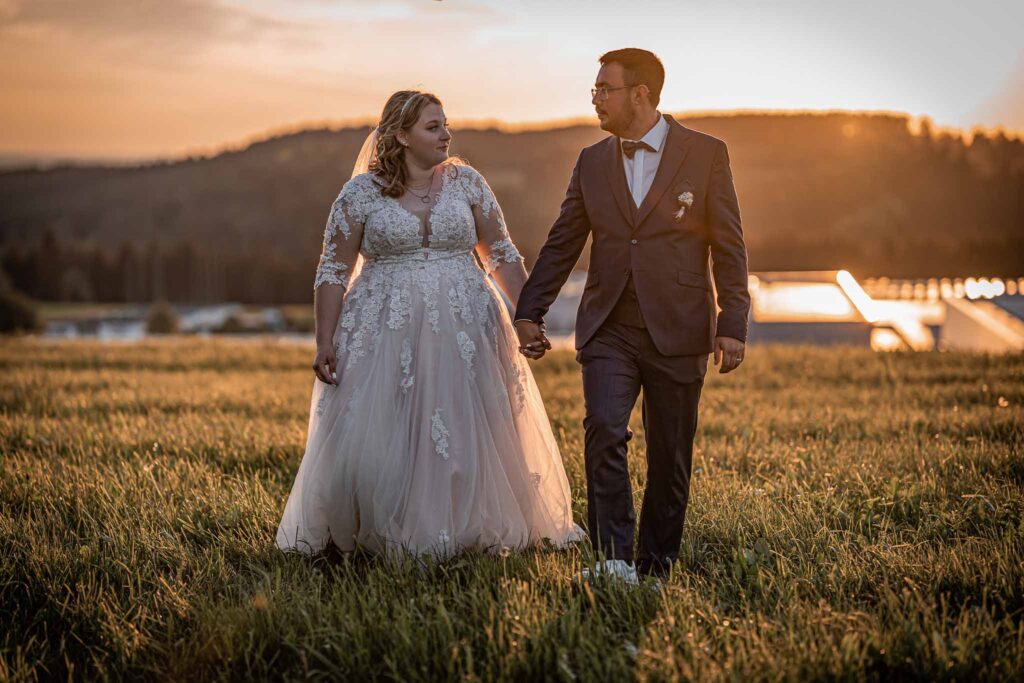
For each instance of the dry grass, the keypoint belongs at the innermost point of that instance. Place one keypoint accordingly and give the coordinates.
(854, 515)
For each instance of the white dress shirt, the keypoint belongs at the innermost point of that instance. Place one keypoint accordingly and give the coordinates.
(640, 170)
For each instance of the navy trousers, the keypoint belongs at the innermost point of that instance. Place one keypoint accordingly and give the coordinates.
(619, 361)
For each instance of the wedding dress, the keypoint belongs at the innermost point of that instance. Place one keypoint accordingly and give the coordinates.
(435, 437)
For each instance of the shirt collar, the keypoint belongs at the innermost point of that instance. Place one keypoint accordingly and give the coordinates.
(655, 137)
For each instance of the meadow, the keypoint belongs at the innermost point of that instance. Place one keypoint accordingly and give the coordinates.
(853, 516)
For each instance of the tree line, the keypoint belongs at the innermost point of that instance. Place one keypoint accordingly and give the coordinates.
(866, 192)
(181, 271)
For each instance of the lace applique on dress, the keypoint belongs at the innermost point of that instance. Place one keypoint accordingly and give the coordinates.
(459, 303)
(325, 392)
(354, 203)
(439, 434)
(519, 382)
(478, 191)
(467, 349)
(330, 271)
(406, 358)
(400, 308)
(502, 251)
(496, 247)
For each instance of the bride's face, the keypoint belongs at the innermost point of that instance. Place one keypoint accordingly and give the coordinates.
(429, 137)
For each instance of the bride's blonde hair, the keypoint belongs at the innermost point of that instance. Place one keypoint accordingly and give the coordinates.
(401, 112)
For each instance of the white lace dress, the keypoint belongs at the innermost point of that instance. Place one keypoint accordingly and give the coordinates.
(435, 438)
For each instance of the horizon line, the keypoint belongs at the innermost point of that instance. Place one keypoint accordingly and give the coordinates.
(20, 161)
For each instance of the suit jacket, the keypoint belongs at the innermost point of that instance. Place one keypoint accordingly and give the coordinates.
(668, 259)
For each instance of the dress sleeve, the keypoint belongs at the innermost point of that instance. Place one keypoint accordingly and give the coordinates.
(343, 236)
(494, 246)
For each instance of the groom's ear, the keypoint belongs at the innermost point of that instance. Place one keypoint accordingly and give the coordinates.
(643, 92)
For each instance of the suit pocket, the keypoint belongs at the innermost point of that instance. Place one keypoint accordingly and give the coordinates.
(693, 280)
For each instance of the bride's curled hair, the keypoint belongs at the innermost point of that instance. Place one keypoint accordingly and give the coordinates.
(401, 112)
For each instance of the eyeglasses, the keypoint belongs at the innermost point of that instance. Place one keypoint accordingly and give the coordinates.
(602, 93)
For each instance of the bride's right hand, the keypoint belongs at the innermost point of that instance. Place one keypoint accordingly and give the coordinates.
(325, 365)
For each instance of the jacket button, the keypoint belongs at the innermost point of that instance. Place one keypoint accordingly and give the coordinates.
(632, 241)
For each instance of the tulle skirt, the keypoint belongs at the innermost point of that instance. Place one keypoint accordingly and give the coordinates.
(435, 438)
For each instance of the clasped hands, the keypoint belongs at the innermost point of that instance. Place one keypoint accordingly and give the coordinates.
(533, 343)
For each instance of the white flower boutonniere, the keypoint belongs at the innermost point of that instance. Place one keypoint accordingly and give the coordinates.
(685, 202)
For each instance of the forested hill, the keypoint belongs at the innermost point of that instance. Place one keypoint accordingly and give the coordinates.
(816, 191)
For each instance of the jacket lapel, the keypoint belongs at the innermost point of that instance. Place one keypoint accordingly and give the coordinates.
(676, 146)
(616, 173)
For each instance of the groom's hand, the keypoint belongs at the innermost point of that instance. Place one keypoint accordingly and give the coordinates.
(532, 342)
(730, 352)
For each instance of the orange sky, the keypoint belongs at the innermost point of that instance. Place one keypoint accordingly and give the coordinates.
(146, 78)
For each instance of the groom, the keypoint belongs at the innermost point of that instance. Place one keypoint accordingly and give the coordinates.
(656, 197)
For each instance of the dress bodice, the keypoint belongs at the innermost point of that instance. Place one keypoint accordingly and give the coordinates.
(363, 221)
(390, 230)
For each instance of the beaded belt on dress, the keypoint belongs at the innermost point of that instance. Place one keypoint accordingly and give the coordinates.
(421, 254)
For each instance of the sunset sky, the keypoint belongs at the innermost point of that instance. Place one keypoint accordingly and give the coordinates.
(150, 78)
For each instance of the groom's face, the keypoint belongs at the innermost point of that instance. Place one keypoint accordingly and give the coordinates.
(616, 111)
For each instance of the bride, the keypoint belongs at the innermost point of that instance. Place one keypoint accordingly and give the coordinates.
(426, 433)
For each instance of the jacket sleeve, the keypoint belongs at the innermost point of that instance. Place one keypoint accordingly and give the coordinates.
(559, 254)
(728, 252)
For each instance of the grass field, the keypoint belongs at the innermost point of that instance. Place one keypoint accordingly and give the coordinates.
(854, 515)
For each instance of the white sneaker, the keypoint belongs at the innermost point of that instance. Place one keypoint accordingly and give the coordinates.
(654, 584)
(617, 568)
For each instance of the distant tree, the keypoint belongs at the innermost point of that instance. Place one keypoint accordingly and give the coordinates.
(161, 319)
(18, 265)
(75, 285)
(101, 274)
(129, 274)
(18, 313)
(48, 261)
(182, 271)
(154, 274)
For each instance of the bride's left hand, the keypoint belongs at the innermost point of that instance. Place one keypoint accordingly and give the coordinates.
(325, 366)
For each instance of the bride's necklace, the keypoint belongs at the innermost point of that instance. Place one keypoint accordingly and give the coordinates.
(425, 198)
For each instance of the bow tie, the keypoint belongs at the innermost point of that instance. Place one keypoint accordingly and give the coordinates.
(629, 147)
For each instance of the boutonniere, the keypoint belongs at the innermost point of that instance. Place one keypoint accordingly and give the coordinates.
(685, 202)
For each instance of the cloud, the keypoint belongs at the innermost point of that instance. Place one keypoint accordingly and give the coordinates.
(123, 76)
(143, 30)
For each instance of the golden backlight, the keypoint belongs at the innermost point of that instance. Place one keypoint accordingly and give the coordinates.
(793, 301)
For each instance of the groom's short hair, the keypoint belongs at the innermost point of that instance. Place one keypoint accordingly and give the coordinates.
(641, 67)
